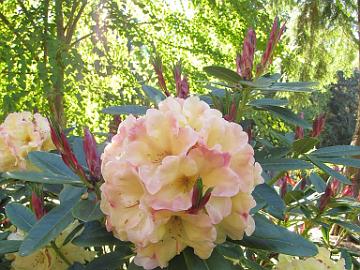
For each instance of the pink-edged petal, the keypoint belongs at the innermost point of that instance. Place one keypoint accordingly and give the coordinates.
(218, 208)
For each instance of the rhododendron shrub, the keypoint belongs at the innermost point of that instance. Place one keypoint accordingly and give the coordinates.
(151, 171)
(232, 179)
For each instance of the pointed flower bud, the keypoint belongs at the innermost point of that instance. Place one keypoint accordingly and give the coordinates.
(244, 63)
(275, 35)
(181, 83)
(199, 200)
(318, 125)
(157, 64)
(91, 155)
(231, 116)
(37, 205)
(325, 198)
(299, 131)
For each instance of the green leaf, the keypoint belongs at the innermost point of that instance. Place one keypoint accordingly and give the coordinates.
(4, 235)
(154, 94)
(125, 109)
(268, 101)
(290, 87)
(273, 238)
(352, 227)
(215, 262)
(51, 163)
(318, 182)
(304, 145)
(9, 246)
(87, 210)
(94, 234)
(224, 74)
(267, 80)
(287, 115)
(275, 205)
(21, 216)
(285, 164)
(328, 170)
(42, 177)
(337, 151)
(109, 261)
(350, 162)
(48, 228)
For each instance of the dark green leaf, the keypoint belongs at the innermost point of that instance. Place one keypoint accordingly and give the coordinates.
(268, 101)
(352, 227)
(87, 210)
(42, 177)
(350, 162)
(287, 115)
(328, 170)
(9, 246)
(48, 228)
(337, 151)
(290, 87)
(21, 216)
(109, 261)
(285, 164)
(275, 205)
(268, 236)
(51, 163)
(224, 74)
(154, 94)
(126, 109)
(318, 182)
(4, 235)
(304, 145)
(94, 234)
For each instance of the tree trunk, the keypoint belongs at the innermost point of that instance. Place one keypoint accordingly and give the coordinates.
(354, 173)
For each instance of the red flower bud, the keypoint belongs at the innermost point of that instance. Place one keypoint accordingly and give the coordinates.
(299, 131)
(347, 191)
(283, 187)
(181, 84)
(159, 72)
(325, 198)
(231, 116)
(244, 63)
(92, 157)
(37, 205)
(318, 125)
(275, 35)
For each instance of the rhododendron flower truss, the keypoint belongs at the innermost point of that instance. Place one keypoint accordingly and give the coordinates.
(178, 176)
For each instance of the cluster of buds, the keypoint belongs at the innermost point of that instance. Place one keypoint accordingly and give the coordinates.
(318, 127)
(275, 35)
(92, 157)
(181, 82)
(245, 61)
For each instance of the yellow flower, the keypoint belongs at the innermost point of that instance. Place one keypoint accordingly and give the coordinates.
(322, 261)
(46, 258)
(150, 169)
(20, 134)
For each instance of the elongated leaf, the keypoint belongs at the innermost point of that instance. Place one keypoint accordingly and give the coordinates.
(328, 170)
(304, 145)
(52, 163)
(125, 109)
(4, 235)
(87, 210)
(285, 164)
(43, 177)
(352, 227)
(270, 237)
(223, 73)
(20, 216)
(154, 94)
(95, 235)
(109, 261)
(9, 246)
(215, 262)
(351, 162)
(268, 80)
(290, 87)
(275, 205)
(48, 228)
(318, 182)
(287, 115)
(268, 101)
(337, 151)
